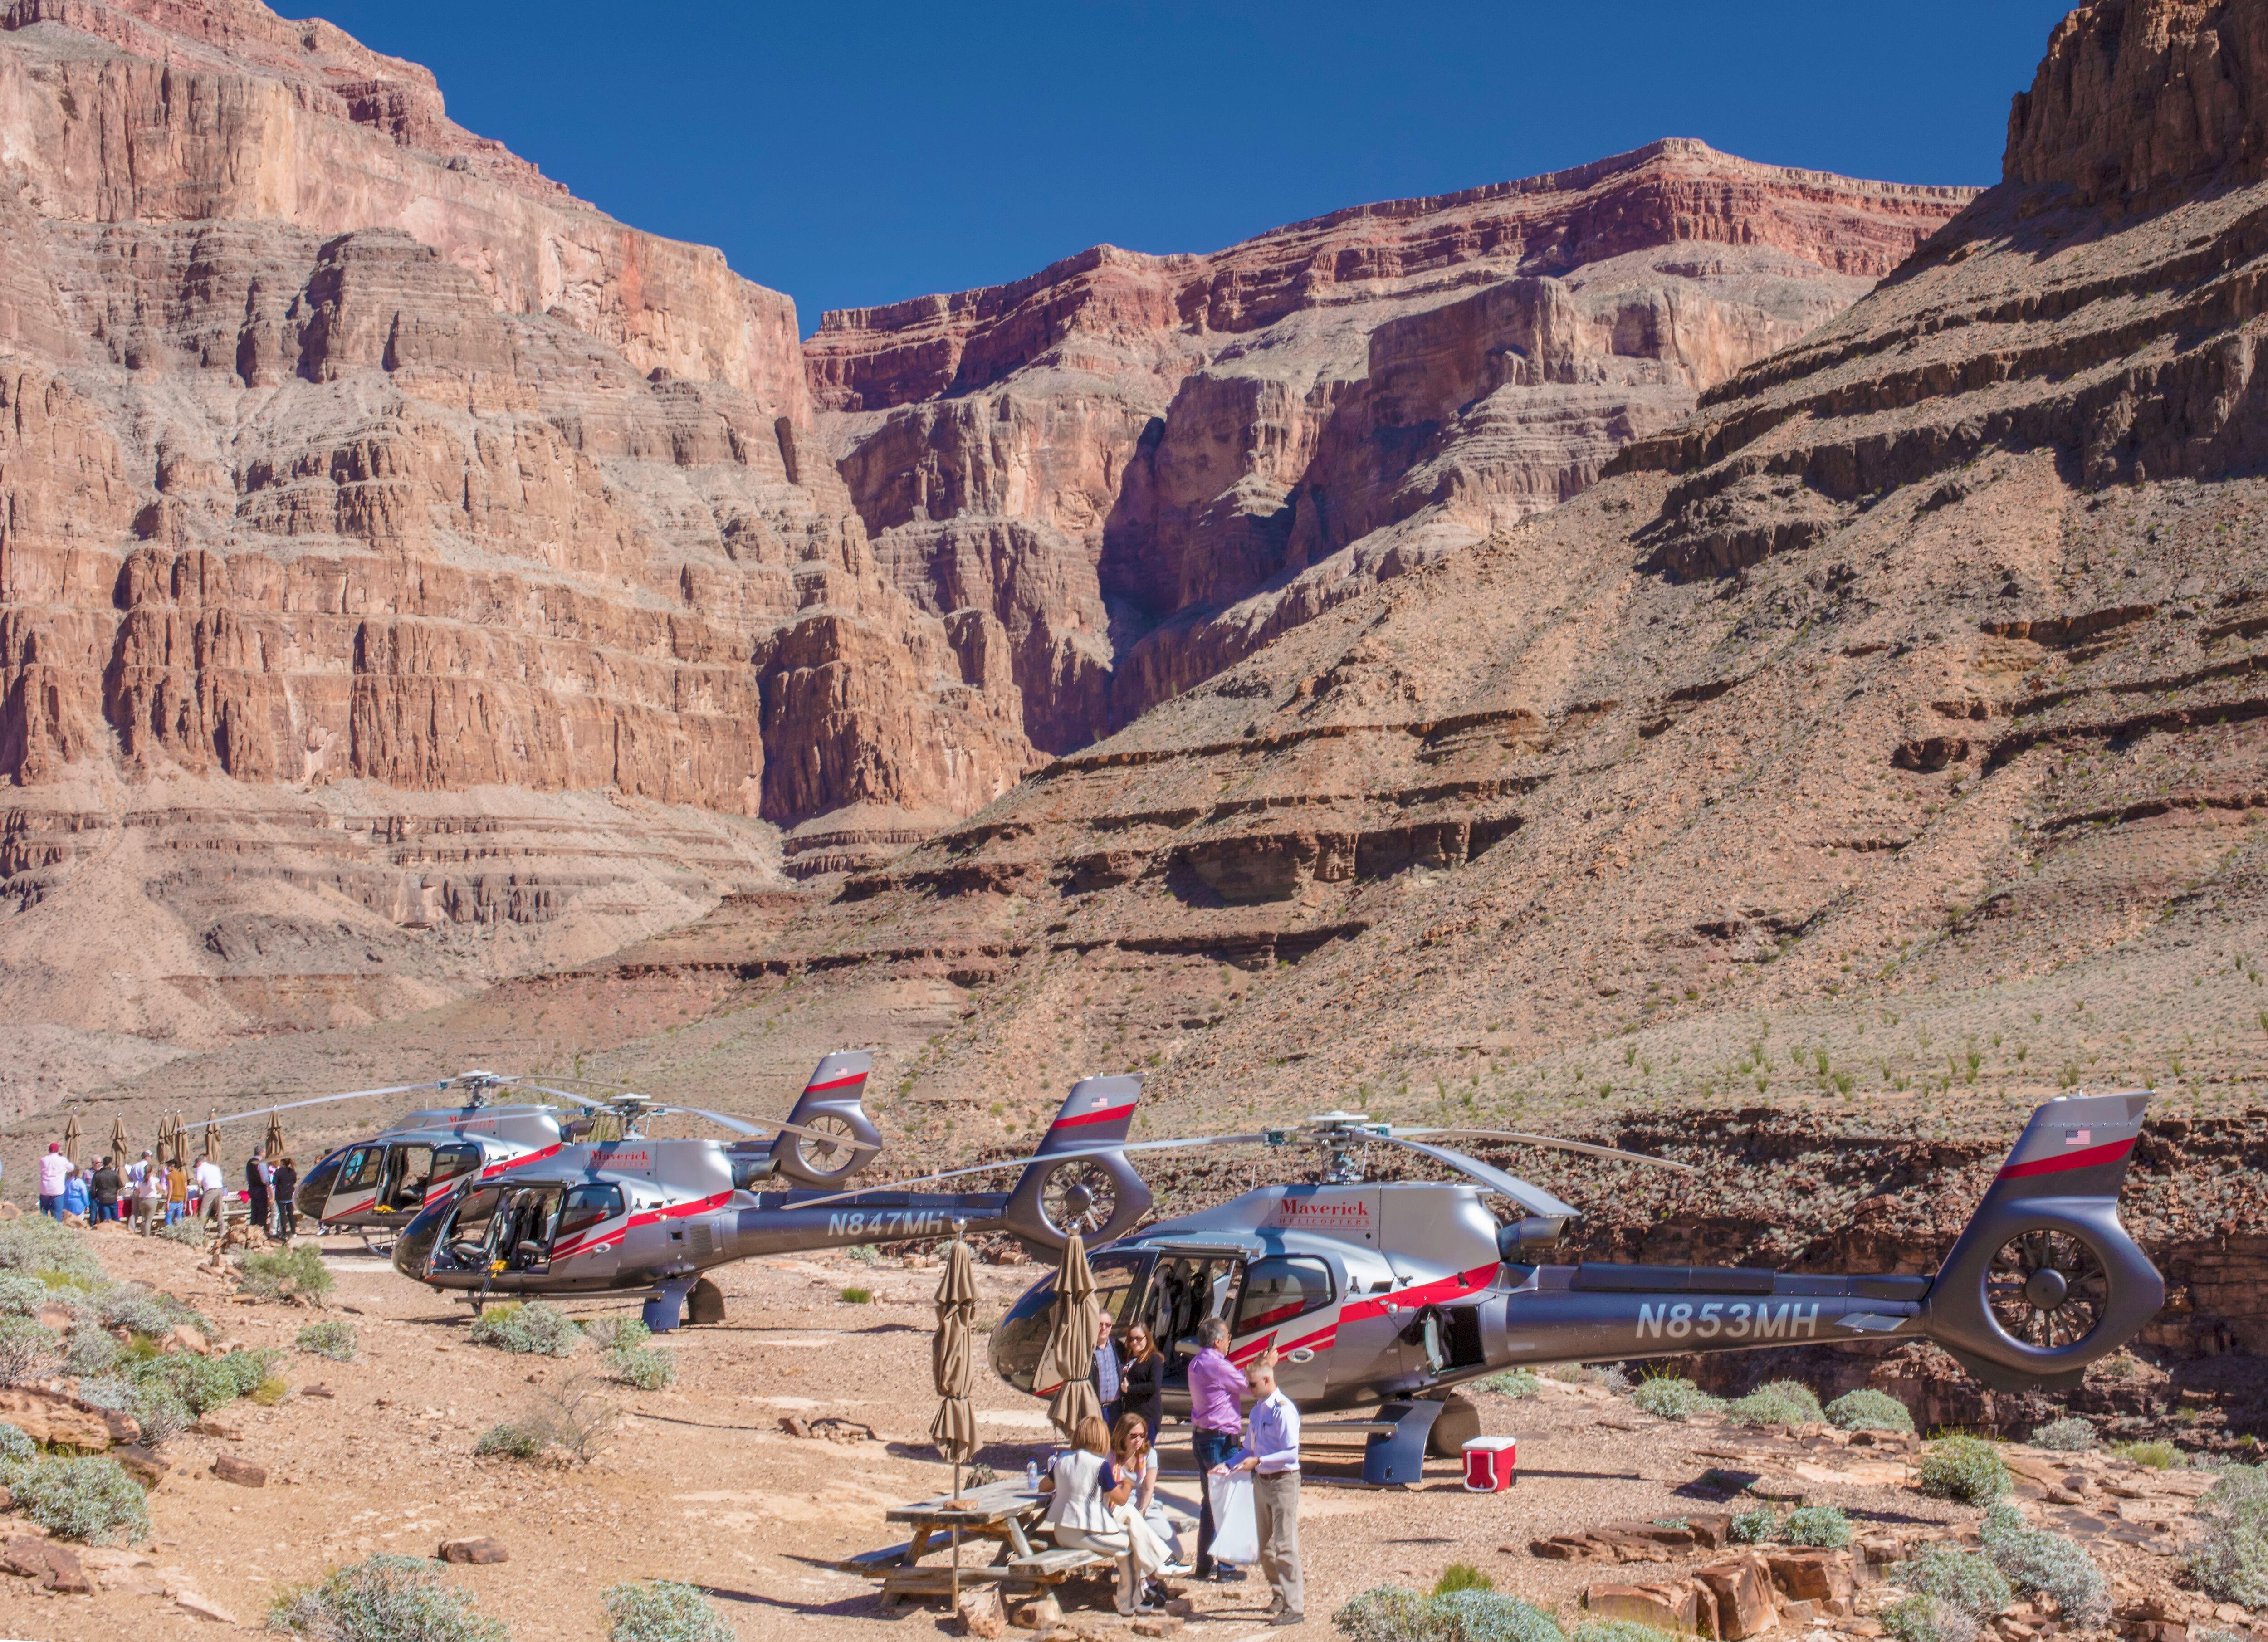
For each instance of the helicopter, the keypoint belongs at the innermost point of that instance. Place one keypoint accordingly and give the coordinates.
(1387, 1295)
(588, 1216)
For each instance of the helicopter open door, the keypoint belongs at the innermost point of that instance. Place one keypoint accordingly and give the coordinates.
(354, 1188)
(1284, 1303)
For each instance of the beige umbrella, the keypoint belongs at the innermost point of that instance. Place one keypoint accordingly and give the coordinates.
(169, 1140)
(1066, 1368)
(212, 1134)
(954, 1431)
(71, 1138)
(272, 1148)
(118, 1142)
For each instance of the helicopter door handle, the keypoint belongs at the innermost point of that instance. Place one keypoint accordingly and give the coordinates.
(1300, 1355)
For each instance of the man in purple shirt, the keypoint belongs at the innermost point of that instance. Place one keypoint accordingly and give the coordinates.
(1217, 1422)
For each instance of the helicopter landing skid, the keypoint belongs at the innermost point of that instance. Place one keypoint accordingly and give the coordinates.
(664, 1307)
(381, 1245)
(1394, 1442)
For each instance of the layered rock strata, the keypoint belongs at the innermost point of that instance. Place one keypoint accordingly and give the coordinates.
(340, 447)
(1146, 467)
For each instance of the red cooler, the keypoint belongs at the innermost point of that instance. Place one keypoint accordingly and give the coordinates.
(1490, 1462)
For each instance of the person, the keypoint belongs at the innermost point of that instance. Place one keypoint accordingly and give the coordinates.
(1216, 1422)
(1080, 1509)
(1143, 1392)
(255, 1191)
(76, 1203)
(208, 1181)
(177, 1194)
(286, 1185)
(1107, 1372)
(102, 1192)
(149, 1195)
(130, 1184)
(1132, 1455)
(1271, 1454)
(55, 1173)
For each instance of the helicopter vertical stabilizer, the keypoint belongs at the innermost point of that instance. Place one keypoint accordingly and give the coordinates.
(839, 1137)
(2044, 1278)
(1098, 1197)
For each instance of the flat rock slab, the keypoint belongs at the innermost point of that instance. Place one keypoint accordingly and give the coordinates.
(229, 1468)
(473, 1550)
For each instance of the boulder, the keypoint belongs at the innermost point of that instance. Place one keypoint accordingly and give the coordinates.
(1041, 1613)
(141, 1464)
(54, 1419)
(1813, 1576)
(229, 1468)
(473, 1550)
(1742, 1588)
(55, 1567)
(1673, 1605)
(1711, 1530)
(187, 1338)
(981, 1612)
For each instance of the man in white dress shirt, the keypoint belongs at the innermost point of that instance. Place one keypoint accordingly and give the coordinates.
(1271, 1454)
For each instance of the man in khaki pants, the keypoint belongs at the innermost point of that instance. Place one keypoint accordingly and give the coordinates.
(1271, 1454)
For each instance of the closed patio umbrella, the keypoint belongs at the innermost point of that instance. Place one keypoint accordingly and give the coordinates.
(71, 1138)
(118, 1143)
(1066, 1369)
(212, 1134)
(954, 1431)
(272, 1148)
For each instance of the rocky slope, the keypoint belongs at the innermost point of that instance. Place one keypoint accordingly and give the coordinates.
(1146, 467)
(404, 567)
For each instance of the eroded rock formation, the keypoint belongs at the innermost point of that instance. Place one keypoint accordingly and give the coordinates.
(1146, 467)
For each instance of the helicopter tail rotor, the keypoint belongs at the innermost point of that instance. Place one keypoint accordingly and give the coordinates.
(832, 1137)
(1093, 1191)
(2044, 1279)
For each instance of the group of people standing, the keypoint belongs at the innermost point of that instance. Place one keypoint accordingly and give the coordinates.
(156, 1192)
(1103, 1490)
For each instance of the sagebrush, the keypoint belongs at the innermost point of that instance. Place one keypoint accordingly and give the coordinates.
(294, 1273)
(1392, 1614)
(662, 1610)
(2037, 1562)
(28, 1351)
(335, 1340)
(1869, 1410)
(1666, 1397)
(1823, 1528)
(1966, 1469)
(1966, 1580)
(2230, 1560)
(2069, 1435)
(534, 1329)
(385, 1599)
(1781, 1403)
(90, 1500)
(1515, 1383)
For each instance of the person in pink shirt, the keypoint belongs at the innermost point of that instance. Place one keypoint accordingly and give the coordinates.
(55, 1176)
(1217, 1420)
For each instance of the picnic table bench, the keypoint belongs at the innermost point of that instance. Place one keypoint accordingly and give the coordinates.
(998, 1514)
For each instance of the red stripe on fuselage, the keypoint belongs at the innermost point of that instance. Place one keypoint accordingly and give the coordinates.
(1107, 1114)
(1411, 1298)
(591, 1244)
(835, 1083)
(495, 1169)
(2086, 1156)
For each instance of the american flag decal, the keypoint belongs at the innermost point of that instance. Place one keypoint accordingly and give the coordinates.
(2079, 1137)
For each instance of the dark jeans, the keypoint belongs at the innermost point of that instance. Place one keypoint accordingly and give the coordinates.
(287, 1217)
(1212, 1448)
(103, 1211)
(52, 1207)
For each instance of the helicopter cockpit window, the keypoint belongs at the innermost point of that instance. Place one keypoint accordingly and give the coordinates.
(1279, 1289)
(411, 1173)
(451, 1161)
(362, 1169)
(587, 1206)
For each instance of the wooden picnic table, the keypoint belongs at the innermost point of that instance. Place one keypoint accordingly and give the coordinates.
(998, 1512)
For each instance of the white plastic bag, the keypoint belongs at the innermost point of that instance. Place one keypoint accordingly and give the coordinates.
(1235, 1530)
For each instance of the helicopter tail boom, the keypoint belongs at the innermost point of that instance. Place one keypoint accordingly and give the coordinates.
(841, 1139)
(1096, 1193)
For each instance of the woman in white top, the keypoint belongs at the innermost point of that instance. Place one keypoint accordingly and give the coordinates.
(1082, 1510)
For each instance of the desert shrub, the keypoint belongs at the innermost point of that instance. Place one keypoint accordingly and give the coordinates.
(2037, 1561)
(662, 1610)
(534, 1329)
(205, 1383)
(855, 1296)
(1967, 1469)
(189, 1232)
(21, 1296)
(143, 1310)
(865, 1254)
(335, 1340)
(1782, 1403)
(512, 1439)
(156, 1407)
(1869, 1410)
(1966, 1580)
(1926, 1619)
(2230, 1559)
(286, 1273)
(1667, 1397)
(28, 1351)
(610, 1334)
(1617, 1630)
(2071, 1435)
(89, 1354)
(1757, 1525)
(638, 1366)
(93, 1499)
(1461, 1576)
(1391, 1614)
(47, 1250)
(1387, 1613)
(17, 1450)
(1515, 1383)
(385, 1599)
(569, 1420)
(1823, 1527)
(2159, 1456)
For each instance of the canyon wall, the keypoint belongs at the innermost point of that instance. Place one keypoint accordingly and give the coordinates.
(1147, 467)
(359, 479)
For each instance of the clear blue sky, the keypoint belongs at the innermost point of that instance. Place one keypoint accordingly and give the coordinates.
(854, 154)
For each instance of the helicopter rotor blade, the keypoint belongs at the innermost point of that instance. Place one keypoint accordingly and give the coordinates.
(1534, 1199)
(1554, 1141)
(323, 1099)
(1045, 1156)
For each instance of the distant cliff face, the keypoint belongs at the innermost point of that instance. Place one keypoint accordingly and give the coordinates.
(347, 464)
(1145, 467)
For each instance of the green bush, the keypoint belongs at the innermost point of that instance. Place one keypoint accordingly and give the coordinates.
(1782, 1403)
(1823, 1527)
(1755, 1526)
(21, 1296)
(1390, 1613)
(1966, 1580)
(514, 1440)
(89, 1354)
(2071, 1435)
(17, 1450)
(92, 1499)
(1669, 1398)
(286, 1273)
(28, 1351)
(855, 1296)
(1966, 1469)
(534, 1329)
(1868, 1409)
(205, 1383)
(1617, 1630)
(2038, 1561)
(662, 1610)
(47, 1250)
(2230, 1559)
(335, 1340)
(636, 1366)
(143, 1310)
(190, 1231)
(1515, 1383)
(610, 1334)
(1461, 1576)
(386, 1599)
(2159, 1456)
(155, 1406)
(1926, 1619)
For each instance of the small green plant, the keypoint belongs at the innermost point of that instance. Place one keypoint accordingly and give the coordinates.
(17, 1452)
(641, 1367)
(510, 1439)
(1461, 1576)
(2159, 1455)
(1666, 1397)
(1515, 1383)
(385, 1599)
(2071, 1435)
(1390, 1613)
(1965, 1580)
(1868, 1409)
(2230, 1559)
(21, 1296)
(191, 1232)
(28, 1351)
(144, 1311)
(610, 1334)
(1781, 1403)
(662, 1610)
(857, 1297)
(1823, 1527)
(286, 1273)
(205, 1383)
(90, 1499)
(335, 1340)
(1926, 1619)
(2039, 1562)
(269, 1391)
(534, 1329)
(568, 1421)
(1756, 1526)
(1966, 1469)
(156, 1407)
(865, 1254)
(89, 1354)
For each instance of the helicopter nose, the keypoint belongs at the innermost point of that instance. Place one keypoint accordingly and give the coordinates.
(415, 1243)
(315, 1187)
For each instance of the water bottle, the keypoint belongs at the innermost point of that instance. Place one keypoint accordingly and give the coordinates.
(1031, 1477)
